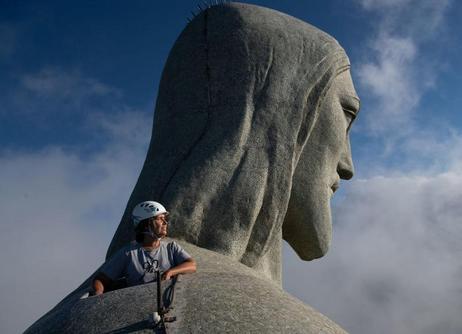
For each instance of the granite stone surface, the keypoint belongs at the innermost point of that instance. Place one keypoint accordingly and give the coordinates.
(224, 296)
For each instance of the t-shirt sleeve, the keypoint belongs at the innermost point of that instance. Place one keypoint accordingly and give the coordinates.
(114, 268)
(178, 254)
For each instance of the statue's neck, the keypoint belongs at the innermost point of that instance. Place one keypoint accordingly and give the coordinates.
(270, 263)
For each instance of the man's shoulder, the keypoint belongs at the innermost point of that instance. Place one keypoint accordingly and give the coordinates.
(176, 250)
(170, 244)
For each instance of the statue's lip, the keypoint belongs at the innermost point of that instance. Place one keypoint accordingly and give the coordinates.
(335, 186)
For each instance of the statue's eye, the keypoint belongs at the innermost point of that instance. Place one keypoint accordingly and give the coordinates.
(350, 115)
(350, 105)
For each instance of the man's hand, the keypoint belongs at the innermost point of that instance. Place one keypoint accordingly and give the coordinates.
(97, 292)
(100, 283)
(167, 275)
(188, 266)
(98, 287)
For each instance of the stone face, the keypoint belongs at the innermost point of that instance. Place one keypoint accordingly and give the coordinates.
(231, 154)
(224, 296)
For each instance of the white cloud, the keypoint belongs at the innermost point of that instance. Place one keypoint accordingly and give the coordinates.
(391, 80)
(395, 263)
(133, 126)
(394, 266)
(56, 83)
(53, 94)
(59, 213)
(381, 4)
(431, 152)
(60, 207)
(394, 72)
(417, 18)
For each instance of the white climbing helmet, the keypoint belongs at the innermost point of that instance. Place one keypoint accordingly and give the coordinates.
(145, 210)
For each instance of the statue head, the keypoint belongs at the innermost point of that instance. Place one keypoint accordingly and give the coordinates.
(325, 159)
(250, 134)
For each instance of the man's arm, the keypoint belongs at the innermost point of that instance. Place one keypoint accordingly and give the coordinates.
(187, 267)
(110, 272)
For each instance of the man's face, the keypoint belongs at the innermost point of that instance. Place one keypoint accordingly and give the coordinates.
(325, 160)
(160, 224)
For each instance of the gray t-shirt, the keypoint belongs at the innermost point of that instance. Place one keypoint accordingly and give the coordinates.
(138, 265)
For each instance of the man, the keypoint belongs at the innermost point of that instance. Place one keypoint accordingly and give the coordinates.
(138, 262)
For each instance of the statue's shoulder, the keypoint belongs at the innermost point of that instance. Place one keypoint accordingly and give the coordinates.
(222, 296)
(227, 294)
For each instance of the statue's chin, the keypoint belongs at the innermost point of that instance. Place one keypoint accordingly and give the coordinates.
(309, 249)
(309, 232)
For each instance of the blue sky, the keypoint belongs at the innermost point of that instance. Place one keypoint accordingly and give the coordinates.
(77, 89)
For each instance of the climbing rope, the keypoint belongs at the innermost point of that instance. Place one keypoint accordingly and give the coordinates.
(159, 318)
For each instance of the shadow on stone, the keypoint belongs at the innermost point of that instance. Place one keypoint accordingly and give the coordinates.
(146, 324)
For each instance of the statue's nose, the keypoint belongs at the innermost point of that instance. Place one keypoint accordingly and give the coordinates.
(345, 168)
